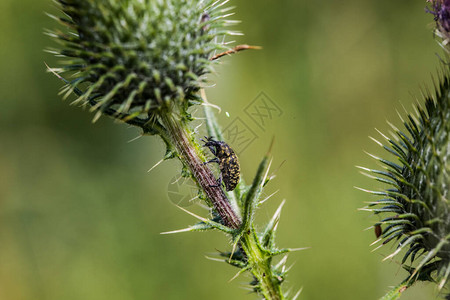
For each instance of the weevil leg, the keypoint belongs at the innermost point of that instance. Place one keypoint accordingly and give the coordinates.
(208, 139)
(214, 160)
(219, 182)
(213, 150)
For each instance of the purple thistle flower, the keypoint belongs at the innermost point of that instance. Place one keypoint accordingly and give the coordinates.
(441, 12)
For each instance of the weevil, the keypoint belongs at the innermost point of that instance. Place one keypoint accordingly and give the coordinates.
(227, 160)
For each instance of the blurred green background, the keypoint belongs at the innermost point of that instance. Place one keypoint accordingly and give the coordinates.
(80, 216)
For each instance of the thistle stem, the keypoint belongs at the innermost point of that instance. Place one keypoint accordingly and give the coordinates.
(189, 154)
(397, 291)
(260, 267)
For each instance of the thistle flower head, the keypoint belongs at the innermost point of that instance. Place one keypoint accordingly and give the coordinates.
(441, 11)
(417, 198)
(138, 56)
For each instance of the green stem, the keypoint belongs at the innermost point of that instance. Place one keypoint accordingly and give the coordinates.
(190, 154)
(260, 267)
(259, 261)
(397, 291)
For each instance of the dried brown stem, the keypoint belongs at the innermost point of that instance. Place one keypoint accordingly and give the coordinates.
(235, 50)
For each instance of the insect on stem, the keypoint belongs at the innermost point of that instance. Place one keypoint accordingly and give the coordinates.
(228, 162)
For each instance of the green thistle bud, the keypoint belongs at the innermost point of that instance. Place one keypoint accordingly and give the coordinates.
(417, 200)
(138, 57)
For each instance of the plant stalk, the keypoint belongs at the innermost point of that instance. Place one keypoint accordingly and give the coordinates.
(260, 267)
(190, 154)
(397, 291)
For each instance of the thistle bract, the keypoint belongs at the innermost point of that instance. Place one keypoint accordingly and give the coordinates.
(138, 56)
(417, 201)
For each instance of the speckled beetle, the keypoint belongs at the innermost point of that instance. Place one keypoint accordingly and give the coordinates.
(227, 160)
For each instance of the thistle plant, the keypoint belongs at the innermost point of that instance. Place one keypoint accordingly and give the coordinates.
(143, 62)
(415, 205)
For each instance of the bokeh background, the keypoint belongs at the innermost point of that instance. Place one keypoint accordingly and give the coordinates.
(80, 217)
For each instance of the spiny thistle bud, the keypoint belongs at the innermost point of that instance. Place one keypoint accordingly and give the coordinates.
(138, 57)
(417, 201)
(441, 11)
